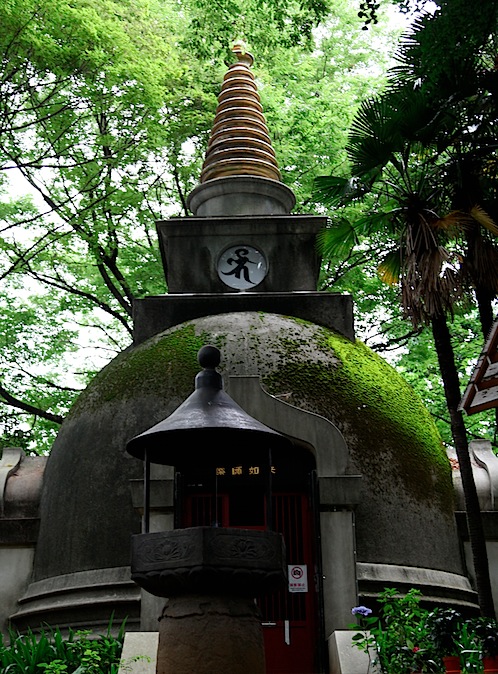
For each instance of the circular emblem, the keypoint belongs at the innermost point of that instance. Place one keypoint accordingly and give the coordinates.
(242, 267)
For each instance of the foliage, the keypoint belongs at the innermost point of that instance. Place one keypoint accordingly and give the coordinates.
(106, 108)
(487, 632)
(397, 639)
(50, 651)
(418, 364)
(421, 195)
(410, 148)
(445, 625)
(405, 637)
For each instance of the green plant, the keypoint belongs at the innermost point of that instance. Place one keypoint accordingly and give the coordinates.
(54, 667)
(396, 640)
(486, 630)
(405, 638)
(469, 647)
(444, 626)
(50, 652)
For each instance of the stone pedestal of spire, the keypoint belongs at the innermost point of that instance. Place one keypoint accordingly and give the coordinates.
(241, 195)
(153, 315)
(191, 249)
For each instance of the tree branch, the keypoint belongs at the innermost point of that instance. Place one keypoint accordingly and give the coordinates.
(180, 191)
(11, 400)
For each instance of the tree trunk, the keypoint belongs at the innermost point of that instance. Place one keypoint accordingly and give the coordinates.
(485, 305)
(451, 384)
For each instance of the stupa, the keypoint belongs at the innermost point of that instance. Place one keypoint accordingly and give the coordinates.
(365, 498)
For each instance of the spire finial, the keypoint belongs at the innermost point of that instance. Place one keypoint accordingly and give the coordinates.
(239, 48)
(239, 142)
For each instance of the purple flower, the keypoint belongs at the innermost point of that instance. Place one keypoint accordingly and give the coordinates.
(361, 610)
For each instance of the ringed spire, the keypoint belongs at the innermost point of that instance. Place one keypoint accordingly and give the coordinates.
(239, 144)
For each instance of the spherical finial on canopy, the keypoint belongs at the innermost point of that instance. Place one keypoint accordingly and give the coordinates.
(209, 357)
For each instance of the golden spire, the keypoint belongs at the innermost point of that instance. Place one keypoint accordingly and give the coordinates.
(239, 144)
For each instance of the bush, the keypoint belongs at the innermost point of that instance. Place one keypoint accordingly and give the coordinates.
(49, 652)
(405, 638)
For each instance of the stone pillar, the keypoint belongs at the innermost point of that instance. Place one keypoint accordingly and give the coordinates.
(339, 568)
(210, 634)
(211, 623)
(338, 497)
(161, 519)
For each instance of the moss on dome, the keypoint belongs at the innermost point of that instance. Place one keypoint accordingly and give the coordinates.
(165, 365)
(363, 392)
(313, 367)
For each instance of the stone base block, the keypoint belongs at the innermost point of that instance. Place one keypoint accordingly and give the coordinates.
(139, 654)
(346, 658)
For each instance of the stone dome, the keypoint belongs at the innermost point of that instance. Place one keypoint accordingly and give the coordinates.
(406, 512)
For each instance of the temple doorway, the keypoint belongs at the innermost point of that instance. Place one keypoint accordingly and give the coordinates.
(236, 495)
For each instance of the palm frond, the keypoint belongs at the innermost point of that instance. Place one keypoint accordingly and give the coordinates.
(393, 128)
(453, 220)
(336, 191)
(485, 220)
(337, 240)
(373, 138)
(430, 284)
(389, 270)
(371, 223)
(481, 265)
(466, 219)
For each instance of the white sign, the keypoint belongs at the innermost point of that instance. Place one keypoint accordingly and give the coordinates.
(298, 577)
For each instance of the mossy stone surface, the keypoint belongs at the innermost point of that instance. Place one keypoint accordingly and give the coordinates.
(393, 443)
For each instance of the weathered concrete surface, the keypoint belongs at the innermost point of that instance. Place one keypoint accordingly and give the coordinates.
(83, 599)
(16, 566)
(210, 635)
(139, 654)
(406, 495)
(20, 488)
(191, 247)
(241, 195)
(346, 658)
(153, 315)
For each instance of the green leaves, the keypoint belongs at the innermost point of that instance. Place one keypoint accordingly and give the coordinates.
(49, 652)
(285, 23)
(105, 110)
(398, 639)
(423, 173)
(337, 191)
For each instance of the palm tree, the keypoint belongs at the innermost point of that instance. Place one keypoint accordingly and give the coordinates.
(397, 155)
(427, 150)
(460, 76)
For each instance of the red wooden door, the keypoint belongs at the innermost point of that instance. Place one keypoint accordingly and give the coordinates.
(289, 619)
